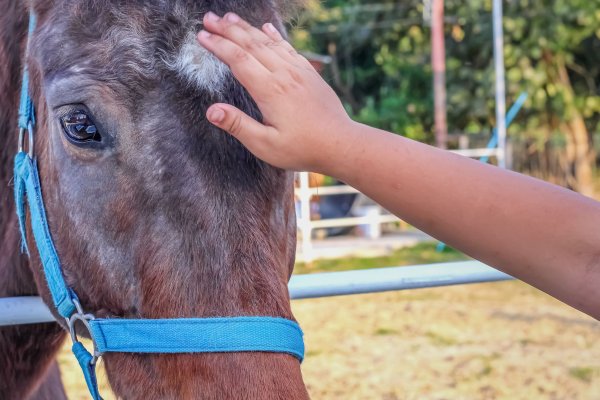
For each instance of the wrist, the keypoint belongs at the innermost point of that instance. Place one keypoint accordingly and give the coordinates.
(341, 145)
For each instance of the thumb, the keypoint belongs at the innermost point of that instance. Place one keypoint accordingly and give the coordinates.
(234, 121)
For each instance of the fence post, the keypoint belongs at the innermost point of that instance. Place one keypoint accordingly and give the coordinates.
(500, 83)
(438, 61)
(305, 225)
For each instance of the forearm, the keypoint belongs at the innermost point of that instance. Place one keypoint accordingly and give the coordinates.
(538, 232)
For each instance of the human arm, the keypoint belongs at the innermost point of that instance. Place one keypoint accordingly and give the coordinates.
(542, 234)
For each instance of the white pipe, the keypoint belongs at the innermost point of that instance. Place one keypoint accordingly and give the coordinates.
(305, 221)
(500, 83)
(396, 278)
(476, 153)
(353, 221)
(23, 310)
(29, 310)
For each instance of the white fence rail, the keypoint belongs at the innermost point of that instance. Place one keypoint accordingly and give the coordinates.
(29, 310)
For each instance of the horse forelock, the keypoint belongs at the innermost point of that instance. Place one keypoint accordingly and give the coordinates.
(139, 41)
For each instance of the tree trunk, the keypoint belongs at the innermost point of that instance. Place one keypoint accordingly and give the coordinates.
(583, 155)
(580, 154)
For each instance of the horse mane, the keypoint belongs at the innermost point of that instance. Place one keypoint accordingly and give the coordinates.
(288, 8)
(31, 345)
(13, 26)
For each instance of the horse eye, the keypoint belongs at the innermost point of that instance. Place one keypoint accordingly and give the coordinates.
(79, 127)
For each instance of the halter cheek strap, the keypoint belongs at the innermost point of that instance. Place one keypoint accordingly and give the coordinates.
(171, 336)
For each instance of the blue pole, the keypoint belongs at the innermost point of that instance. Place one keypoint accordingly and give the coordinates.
(510, 116)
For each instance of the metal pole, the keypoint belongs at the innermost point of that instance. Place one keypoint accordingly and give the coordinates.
(500, 83)
(388, 279)
(438, 61)
(23, 310)
(29, 310)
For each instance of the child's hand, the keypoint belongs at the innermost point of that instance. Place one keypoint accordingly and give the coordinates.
(304, 120)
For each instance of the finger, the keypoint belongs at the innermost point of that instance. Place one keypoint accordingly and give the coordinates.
(246, 129)
(283, 48)
(251, 39)
(244, 66)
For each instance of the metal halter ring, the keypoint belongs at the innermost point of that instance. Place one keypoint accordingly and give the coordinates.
(29, 139)
(85, 319)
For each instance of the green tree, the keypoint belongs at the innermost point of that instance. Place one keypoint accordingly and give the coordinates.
(381, 55)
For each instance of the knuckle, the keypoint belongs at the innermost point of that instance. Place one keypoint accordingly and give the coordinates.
(229, 30)
(240, 54)
(253, 45)
(297, 78)
(278, 88)
(236, 125)
(292, 76)
(285, 85)
(272, 43)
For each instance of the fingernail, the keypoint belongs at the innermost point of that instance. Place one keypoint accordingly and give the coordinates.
(232, 17)
(272, 28)
(216, 115)
(212, 16)
(204, 34)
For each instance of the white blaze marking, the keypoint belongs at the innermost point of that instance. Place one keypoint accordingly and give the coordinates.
(198, 66)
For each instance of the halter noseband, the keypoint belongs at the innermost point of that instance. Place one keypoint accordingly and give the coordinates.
(188, 335)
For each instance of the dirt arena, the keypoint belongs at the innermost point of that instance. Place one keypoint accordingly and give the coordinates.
(485, 341)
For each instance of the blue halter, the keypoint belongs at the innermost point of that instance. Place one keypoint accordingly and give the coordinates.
(192, 335)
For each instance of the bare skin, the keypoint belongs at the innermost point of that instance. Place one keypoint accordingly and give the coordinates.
(540, 233)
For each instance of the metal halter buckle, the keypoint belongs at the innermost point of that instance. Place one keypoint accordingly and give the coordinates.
(29, 139)
(85, 319)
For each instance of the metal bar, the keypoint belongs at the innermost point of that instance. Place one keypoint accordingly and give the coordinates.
(476, 152)
(438, 64)
(500, 82)
(29, 310)
(388, 279)
(353, 221)
(23, 310)
(305, 221)
(329, 190)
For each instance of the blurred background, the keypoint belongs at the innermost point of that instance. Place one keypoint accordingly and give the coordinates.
(426, 69)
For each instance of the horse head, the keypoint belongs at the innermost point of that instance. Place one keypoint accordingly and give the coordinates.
(154, 212)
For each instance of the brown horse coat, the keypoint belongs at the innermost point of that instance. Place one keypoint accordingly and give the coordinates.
(167, 217)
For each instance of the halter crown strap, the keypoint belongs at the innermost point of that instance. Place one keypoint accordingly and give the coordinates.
(192, 335)
(26, 110)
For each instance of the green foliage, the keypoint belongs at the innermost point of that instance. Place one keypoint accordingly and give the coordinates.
(424, 253)
(381, 67)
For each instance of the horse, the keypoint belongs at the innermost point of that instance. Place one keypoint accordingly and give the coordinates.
(154, 212)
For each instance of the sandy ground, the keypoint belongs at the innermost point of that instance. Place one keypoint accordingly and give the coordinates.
(486, 341)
